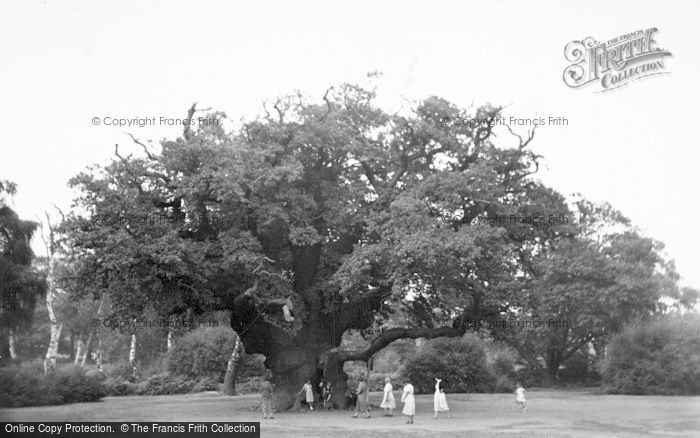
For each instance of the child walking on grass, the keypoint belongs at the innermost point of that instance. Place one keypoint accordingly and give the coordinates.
(520, 398)
(440, 400)
(409, 407)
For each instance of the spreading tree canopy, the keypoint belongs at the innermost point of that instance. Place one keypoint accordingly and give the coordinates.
(342, 210)
(581, 288)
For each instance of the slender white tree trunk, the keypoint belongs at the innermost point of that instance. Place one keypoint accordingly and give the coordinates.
(171, 329)
(11, 343)
(52, 351)
(87, 349)
(233, 366)
(132, 355)
(78, 351)
(97, 355)
(51, 293)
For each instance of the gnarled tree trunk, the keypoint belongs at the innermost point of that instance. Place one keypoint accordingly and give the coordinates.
(307, 349)
(312, 353)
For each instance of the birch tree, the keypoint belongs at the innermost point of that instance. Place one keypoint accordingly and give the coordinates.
(49, 239)
(233, 367)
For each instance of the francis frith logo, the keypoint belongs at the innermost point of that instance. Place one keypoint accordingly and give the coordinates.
(616, 62)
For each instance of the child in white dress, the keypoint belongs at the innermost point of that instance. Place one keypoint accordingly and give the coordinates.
(520, 398)
(309, 394)
(409, 402)
(440, 400)
(388, 402)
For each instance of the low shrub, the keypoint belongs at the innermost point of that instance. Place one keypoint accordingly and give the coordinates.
(74, 385)
(504, 384)
(26, 385)
(461, 363)
(580, 370)
(118, 386)
(661, 357)
(120, 369)
(502, 359)
(253, 365)
(164, 384)
(159, 384)
(249, 385)
(206, 384)
(529, 376)
(202, 353)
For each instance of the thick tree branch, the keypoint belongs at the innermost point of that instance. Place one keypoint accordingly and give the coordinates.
(392, 335)
(369, 174)
(574, 348)
(526, 354)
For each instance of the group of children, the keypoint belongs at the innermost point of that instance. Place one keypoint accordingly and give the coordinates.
(388, 403)
(409, 403)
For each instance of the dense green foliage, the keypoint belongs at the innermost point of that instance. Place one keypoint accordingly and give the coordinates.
(203, 352)
(460, 362)
(26, 385)
(660, 356)
(20, 283)
(160, 384)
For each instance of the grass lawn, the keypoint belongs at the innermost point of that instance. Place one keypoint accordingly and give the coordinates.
(550, 414)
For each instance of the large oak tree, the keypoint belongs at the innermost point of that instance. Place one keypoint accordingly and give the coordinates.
(342, 210)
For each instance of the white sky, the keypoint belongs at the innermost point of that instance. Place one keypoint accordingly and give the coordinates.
(63, 63)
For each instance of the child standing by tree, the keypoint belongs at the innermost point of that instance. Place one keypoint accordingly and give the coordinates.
(327, 394)
(309, 394)
(520, 398)
(362, 401)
